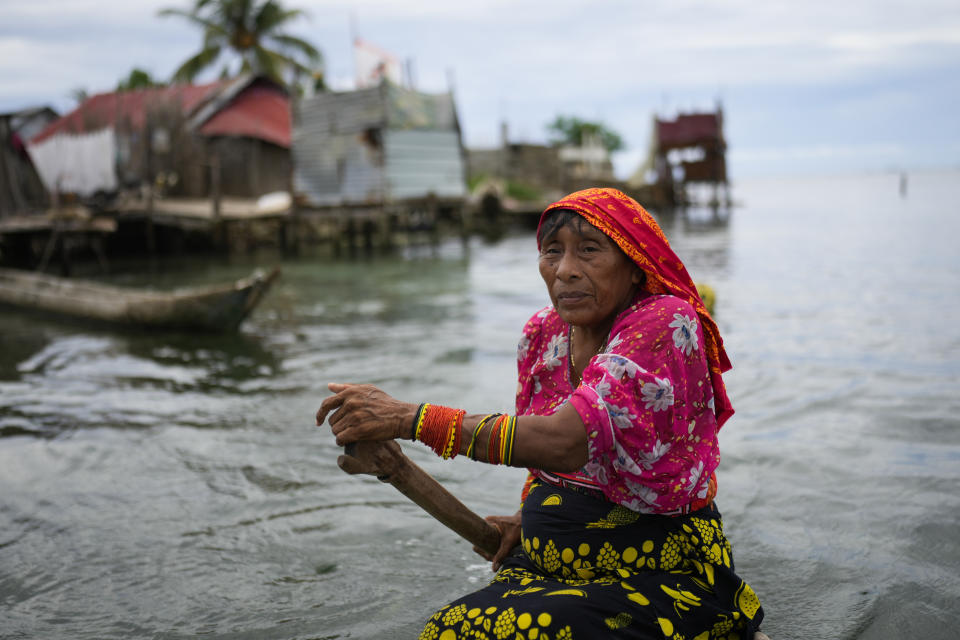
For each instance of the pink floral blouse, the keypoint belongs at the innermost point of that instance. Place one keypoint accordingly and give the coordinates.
(646, 401)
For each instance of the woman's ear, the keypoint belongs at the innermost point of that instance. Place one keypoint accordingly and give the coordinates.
(639, 277)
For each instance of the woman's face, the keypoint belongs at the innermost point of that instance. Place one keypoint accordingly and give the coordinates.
(590, 280)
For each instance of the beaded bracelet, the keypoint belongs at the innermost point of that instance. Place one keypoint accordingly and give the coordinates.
(510, 437)
(471, 453)
(493, 442)
(417, 422)
(454, 430)
(439, 428)
(504, 439)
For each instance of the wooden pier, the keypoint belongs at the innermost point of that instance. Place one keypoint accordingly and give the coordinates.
(228, 225)
(38, 240)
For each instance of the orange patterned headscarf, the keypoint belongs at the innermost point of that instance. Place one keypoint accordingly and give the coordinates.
(640, 237)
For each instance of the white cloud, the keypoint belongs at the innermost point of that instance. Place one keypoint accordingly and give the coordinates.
(613, 60)
(872, 41)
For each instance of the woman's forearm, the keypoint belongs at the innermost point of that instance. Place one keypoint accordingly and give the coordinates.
(557, 442)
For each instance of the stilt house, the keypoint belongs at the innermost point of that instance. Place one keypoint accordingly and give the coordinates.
(691, 150)
(174, 137)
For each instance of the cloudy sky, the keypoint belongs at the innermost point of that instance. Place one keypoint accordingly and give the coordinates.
(806, 87)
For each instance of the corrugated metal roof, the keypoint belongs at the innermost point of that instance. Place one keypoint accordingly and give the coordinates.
(260, 111)
(249, 107)
(339, 113)
(408, 109)
(373, 145)
(128, 108)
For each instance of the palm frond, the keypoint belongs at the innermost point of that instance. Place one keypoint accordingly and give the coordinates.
(215, 34)
(192, 67)
(282, 61)
(272, 15)
(269, 63)
(299, 45)
(199, 20)
(243, 13)
(241, 27)
(229, 14)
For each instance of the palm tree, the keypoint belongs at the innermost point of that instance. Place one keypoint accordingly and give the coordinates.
(251, 29)
(137, 79)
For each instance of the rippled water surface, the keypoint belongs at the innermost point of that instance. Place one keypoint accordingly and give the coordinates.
(173, 486)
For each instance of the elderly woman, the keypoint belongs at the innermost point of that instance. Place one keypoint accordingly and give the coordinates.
(618, 406)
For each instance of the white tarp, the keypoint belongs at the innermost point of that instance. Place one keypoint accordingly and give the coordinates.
(373, 64)
(76, 163)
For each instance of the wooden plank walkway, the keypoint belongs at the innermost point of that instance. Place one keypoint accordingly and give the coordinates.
(202, 208)
(73, 219)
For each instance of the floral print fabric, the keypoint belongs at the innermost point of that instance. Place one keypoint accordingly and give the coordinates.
(590, 569)
(637, 233)
(646, 401)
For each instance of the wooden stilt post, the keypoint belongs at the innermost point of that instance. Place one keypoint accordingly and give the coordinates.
(148, 170)
(219, 232)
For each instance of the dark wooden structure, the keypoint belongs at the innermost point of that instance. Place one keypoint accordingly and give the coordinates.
(690, 150)
(21, 191)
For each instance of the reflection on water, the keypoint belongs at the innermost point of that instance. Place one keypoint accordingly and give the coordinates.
(170, 485)
(701, 236)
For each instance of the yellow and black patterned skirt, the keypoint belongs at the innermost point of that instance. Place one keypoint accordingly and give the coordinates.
(590, 569)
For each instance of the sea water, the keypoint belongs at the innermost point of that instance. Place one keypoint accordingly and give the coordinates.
(168, 485)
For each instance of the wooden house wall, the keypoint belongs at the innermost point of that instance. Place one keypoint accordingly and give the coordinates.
(20, 188)
(250, 167)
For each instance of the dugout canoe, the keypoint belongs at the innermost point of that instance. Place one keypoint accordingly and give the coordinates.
(219, 308)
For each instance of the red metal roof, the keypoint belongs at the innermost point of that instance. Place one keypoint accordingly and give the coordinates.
(689, 129)
(128, 108)
(260, 111)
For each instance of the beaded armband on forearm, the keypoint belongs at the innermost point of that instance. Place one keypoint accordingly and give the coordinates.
(440, 428)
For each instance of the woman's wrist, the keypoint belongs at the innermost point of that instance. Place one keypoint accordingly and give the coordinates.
(407, 429)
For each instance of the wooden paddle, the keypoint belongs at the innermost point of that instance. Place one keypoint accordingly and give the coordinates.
(387, 462)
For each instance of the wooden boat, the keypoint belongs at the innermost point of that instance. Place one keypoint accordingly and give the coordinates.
(215, 308)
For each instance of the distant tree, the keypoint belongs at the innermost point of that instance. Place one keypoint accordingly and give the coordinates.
(573, 130)
(78, 94)
(138, 79)
(251, 30)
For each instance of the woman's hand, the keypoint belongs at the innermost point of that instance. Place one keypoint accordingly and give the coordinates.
(363, 412)
(509, 527)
